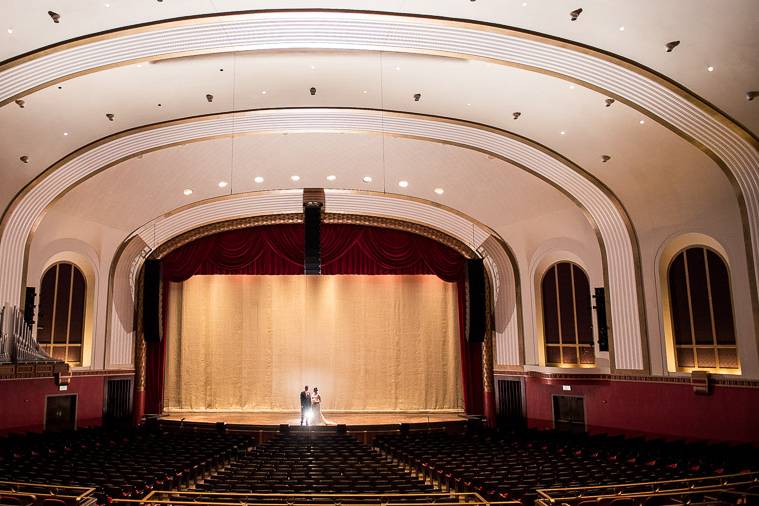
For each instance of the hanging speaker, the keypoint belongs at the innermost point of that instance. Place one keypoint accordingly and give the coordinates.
(603, 327)
(476, 299)
(151, 301)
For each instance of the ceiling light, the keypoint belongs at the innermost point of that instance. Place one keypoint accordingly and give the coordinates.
(110, 116)
(605, 158)
(468, 104)
(331, 177)
(24, 158)
(575, 14)
(295, 178)
(397, 68)
(710, 68)
(139, 65)
(367, 179)
(20, 102)
(563, 132)
(439, 191)
(223, 184)
(751, 95)
(365, 92)
(621, 28)
(10, 30)
(609, 101)
(65, 134)
(417, 97)
(671, 45)
(263, 92)
(187, 192)
(313, 67)
(107, 5)
(258, 179)
(642, 122)
(516, 114)
(524, 4)
(571, 86)
(209, 97)
(312, 91)
(403, 184)
(55, 16)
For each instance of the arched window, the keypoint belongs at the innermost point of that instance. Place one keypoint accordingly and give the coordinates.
(60, 326)
(702, 310)
(567, 318)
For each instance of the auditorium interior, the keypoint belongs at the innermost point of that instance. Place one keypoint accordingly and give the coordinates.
(332, 252)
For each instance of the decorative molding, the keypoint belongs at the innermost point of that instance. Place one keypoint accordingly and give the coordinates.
(683, 380)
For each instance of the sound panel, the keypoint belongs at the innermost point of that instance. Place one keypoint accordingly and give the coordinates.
(151, 301)
(476, 299)
(313, 257)
(603, 328)
(29, 305)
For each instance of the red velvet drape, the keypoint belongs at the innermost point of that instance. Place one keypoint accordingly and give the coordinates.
(346, 249)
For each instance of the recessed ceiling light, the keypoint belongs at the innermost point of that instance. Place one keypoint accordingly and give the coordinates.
(295, 178)
(188, 192)
(621, 28)
(563, 132)
(571, 86)
(367, 179)
(710, 68)
(263, 92)
(524, 4)
(468, 104)
(107, 5)
(403, 184)
(642, 121)
(10, 30)
(439, 191)
(331, 177)
(313, 67)
(223, 184)
(139, 65)
(364, 92)
(65, 134)
(397, 68)
(258, 179)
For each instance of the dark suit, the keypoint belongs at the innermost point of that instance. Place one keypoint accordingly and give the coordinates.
(305, 405)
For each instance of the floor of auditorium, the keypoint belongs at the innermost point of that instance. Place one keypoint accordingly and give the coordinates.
(293, 418)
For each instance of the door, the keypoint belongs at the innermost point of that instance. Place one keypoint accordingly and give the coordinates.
(510, 403)
(60, 413)
(569, 413)
(118, 402)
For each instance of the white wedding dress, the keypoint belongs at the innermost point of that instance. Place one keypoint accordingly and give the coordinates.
(316, 411)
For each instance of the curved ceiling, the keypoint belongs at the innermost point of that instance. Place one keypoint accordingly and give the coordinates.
(662, 158)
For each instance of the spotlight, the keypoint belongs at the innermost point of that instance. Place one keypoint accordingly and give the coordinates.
(367, 179)
(56, 17)
(672, 45)
(187, 192)
(605, 158)
(258, 179)
(751, 95)
(417, 97)
(24, 159)
(575, 14)
(609, 101)
(516, 115)
(312, 91)
(209, 97)
(110, 116)
(20, 103)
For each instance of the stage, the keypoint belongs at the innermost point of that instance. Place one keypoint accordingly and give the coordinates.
(271, 419)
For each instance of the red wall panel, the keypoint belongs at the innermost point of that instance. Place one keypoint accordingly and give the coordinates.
(631, 407)
(22, 402)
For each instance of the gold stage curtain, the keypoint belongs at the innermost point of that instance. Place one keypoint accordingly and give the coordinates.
(370, 343)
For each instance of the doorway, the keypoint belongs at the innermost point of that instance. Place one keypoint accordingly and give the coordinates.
(510, 403)
(60, 413)
(569, 413)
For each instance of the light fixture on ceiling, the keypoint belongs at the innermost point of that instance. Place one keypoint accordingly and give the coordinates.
(524, 4)
(621, 28)
(365, 92)
(468, 104)
(258, 179)
(312, 91)
(672, 45)
(313, 67)
(223, 184)
(10, 31)
(55, 16)
(367, 179)
(751, 95)
(605, 158)
(24, 159)
(397, 68)
(575, 14)
(65, 134)
(609, 101)
(20, 102)
(110, 116)
(107, 5)
(516, 114)
(139, 65)
(417, 97)
(187, 192)
(642, 122)
(563, 132)
(331, 177)
(439, 191)
(209, 97)
(295, 178)
(403, 184)
(571, 86)
(710, 68)
(263, 92)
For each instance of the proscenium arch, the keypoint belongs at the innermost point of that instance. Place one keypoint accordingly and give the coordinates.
(607, 216)
(285, 206)
(732, 147)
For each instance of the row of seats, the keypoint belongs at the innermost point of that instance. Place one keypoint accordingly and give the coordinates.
(505, 466)
(124, 464)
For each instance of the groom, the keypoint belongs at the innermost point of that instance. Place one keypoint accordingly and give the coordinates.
(305, 405)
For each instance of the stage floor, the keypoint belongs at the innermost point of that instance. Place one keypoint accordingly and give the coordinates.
(248, 418)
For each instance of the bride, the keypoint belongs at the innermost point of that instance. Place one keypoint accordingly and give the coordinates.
(316, 409)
